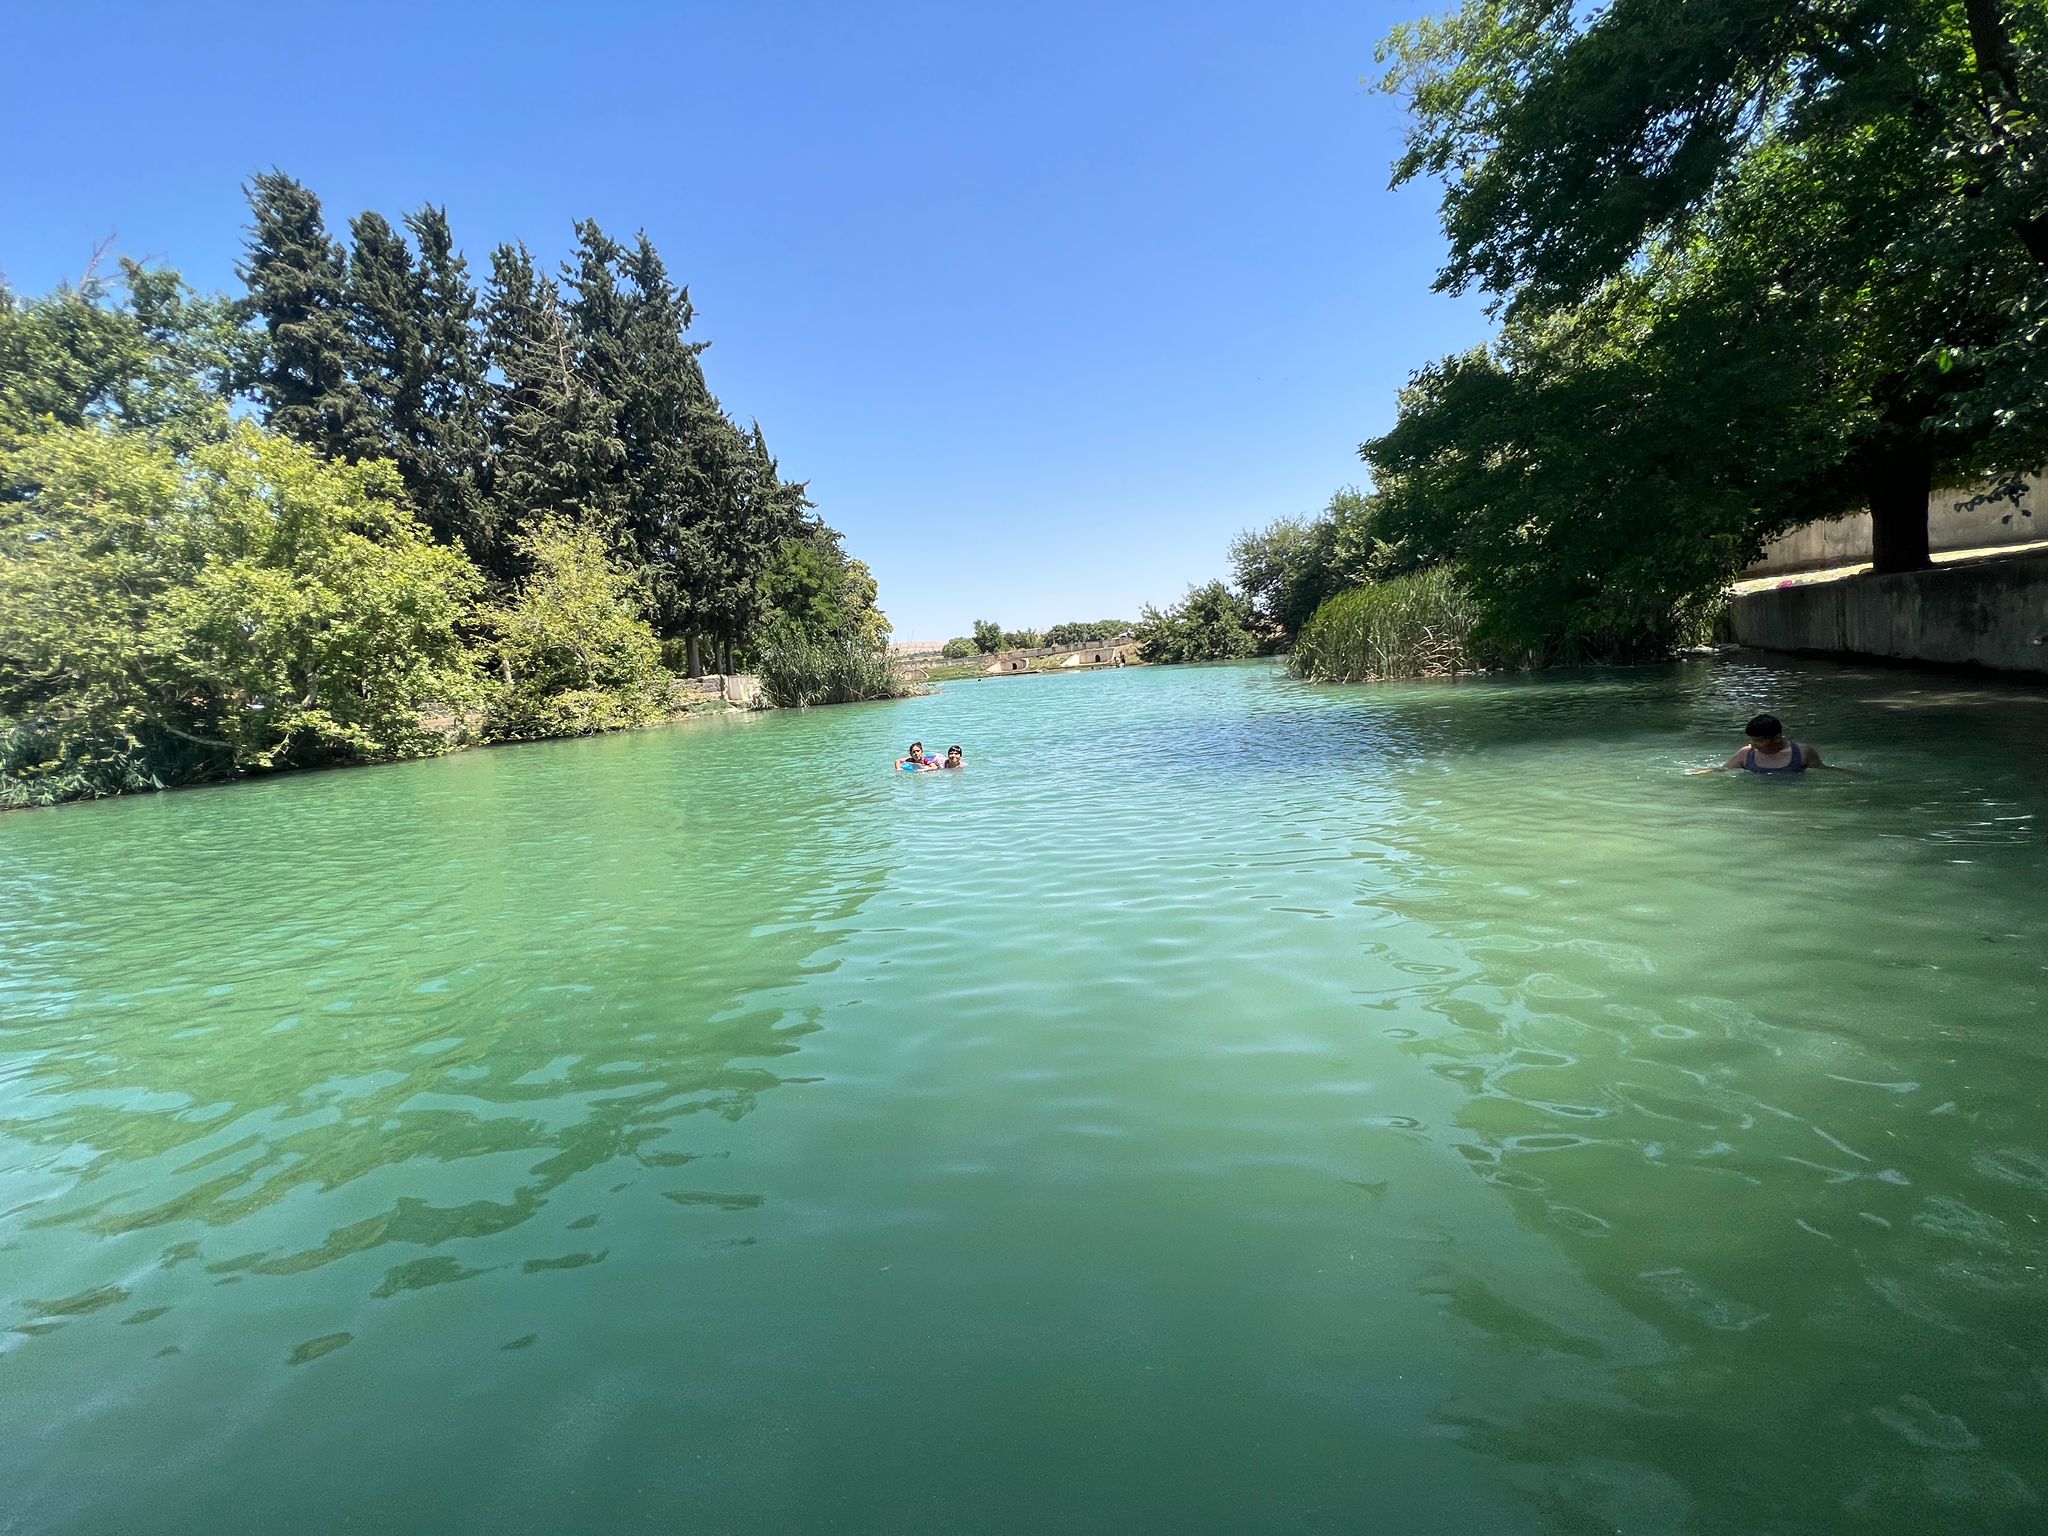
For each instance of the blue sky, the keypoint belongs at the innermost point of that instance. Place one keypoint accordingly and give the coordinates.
(1047, 303)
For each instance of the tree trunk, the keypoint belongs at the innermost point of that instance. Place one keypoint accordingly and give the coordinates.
(696, 655)
(1898, 512)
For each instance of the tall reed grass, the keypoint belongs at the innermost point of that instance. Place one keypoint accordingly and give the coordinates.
(797, 671)
(1422, 625)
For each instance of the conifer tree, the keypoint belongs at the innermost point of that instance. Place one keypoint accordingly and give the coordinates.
(451, 396)
(553, 443)
(297, 278)
(382, 301)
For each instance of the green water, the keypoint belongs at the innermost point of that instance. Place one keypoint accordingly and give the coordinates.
(1229, 1106)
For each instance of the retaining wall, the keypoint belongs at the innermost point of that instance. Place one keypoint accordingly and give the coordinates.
(1846, 540)
(1985, 613)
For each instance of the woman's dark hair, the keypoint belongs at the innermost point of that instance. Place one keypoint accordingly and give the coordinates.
(917, 746)
(1766, 727)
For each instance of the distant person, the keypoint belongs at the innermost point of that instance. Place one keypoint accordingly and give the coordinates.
(917, 762)
(1770, 753)
(954, 759)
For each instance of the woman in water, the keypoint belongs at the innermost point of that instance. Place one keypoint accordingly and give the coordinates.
(1769, 752)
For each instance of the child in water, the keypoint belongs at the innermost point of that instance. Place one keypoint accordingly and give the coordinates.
(954, 759)
(1769, 752)
(917, 762)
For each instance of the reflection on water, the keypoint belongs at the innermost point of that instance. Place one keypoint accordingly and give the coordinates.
(1229, 1105)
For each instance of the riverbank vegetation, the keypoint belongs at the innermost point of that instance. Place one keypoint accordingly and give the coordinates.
(1756, 263)
(370, 510)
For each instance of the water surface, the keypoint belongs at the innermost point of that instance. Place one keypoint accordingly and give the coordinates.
(1228, 1106)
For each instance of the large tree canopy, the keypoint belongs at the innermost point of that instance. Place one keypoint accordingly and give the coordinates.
(1797, 246)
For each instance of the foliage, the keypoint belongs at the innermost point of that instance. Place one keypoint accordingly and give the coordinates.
(813, 584)
(988, 636)
(1761, 262)
(1211, 623)
(956, 648)
(572, 653)
(798, 669)
(248, 605)
(1089, 631)
(1420, 625)
(162, 358)
(1022, 639)
(1288, 569)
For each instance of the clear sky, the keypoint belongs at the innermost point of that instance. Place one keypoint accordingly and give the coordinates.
(1047, 302)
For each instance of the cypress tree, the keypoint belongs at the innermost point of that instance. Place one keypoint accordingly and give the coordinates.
(451, 396)
(553, 443)
(666, 409)
(382, 302)
(297, 276)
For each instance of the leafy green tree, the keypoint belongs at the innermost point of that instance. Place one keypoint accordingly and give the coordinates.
(1878, 166)
(247, 605)
(1212, 623)
(811, 583)
(959, 648)
(572, 652)
(162, 358)
(308, 362)
(988, 636)
(1087, 631)
(1022, 639)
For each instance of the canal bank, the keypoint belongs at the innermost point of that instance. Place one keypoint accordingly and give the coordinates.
(1988, 611)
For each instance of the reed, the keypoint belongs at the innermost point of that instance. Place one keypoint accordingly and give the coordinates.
(797, 671)
(1412, 626)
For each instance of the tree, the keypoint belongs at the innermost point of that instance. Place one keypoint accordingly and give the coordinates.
(1878, 163)
(450, 441)
(169, 618)
(572, 651)
(1088, 631)
(1212, 623)
(162, 360)
(988, 636)
(811, 583)
(553, 441)
(305, 372)
(381, 304)
(958, 649)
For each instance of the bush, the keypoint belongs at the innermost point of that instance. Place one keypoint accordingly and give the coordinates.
(1211, 623)
(959, 649)
(797, 670)
(573, 654)
(1090, 631)
(166, 620)
(1413, 626)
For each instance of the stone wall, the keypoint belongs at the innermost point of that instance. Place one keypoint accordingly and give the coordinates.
(742, 690)
(1846, 540)
(1987, 613)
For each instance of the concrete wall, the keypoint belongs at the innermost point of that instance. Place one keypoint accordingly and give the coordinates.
(1987, 613)
(1846, 540)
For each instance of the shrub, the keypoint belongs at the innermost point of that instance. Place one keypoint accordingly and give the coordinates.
(573, 654)
(1412, 626)
(958, 649)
